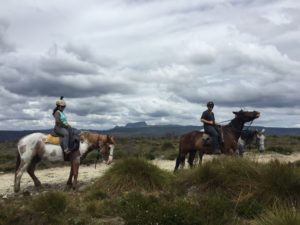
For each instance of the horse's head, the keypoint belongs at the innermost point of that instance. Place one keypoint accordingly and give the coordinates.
(104, 143)
(246, 116)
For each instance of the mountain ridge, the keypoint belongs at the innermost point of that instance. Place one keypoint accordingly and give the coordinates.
(142, 129)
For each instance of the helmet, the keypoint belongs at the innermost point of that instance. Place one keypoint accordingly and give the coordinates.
(61, 102)
(210, 104)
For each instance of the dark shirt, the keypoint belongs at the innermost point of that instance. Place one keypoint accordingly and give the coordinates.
(207, 115)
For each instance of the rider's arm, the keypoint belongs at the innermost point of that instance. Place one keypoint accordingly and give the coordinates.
(207, 121)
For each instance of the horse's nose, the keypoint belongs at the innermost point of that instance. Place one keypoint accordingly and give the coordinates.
(258, 114)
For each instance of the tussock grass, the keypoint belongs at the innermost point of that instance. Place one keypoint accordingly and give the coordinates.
(243, 181)
(282, 216)
(230, 176)
(132, 174)
(279, 183)
(139, 209)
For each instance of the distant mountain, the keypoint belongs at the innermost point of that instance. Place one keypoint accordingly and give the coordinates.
(137, 124)
(141, 129)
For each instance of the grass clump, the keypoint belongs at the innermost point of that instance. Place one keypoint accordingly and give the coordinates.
(280, 182)
(132, 174)
(283, 216)
(50, 207)
(139, 209)
(226, 175)
(281, 150)
(51, 203)
(215, 209)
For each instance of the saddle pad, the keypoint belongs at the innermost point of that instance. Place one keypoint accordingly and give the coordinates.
(205, 136)
(52, 140)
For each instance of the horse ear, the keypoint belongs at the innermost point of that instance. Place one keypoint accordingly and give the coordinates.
(235, 113)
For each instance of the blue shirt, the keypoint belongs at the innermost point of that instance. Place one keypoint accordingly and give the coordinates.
(207, 115)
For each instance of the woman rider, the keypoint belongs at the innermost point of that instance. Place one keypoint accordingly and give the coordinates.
(61, 124)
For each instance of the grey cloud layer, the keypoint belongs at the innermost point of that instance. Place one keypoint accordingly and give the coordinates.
(161, 61)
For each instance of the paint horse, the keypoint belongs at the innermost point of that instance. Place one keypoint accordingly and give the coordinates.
(35, 147)
(197, 141)
(250, 136)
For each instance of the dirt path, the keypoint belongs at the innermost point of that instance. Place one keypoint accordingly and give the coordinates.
(55, 178)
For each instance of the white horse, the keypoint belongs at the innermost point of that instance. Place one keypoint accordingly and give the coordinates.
(249, 136)
(34, 148)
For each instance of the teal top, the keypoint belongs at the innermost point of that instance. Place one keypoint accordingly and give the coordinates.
(63, 118)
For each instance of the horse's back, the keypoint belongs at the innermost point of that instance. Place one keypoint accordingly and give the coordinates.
(27, 144)
(190, 140)
(31, 137)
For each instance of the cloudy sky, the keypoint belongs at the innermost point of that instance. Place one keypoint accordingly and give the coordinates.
(158, 61)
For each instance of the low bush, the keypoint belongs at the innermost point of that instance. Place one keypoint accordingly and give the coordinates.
(280, 149)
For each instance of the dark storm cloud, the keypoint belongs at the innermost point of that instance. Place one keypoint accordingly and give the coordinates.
(159, 113)
(75, 87)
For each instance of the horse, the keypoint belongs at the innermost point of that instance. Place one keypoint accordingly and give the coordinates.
(250, 136)
(196, 141)
(35, 147)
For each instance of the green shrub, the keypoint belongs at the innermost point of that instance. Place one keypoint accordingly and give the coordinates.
(149, 156)
(167, 145)
(132, 174)
(249, 209)
(9, 214)
(49, 208)
(215, 209)
(280, 149)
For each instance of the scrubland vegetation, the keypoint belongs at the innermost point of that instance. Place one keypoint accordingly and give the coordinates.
(226, 190)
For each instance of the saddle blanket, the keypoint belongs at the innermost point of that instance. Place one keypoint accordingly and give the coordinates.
(51, 140)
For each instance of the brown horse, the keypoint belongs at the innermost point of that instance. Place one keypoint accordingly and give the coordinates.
(34, 147)
(195, 141)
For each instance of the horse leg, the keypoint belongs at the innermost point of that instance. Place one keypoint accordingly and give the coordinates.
(69, 182)
(200, 157)
(191, 158)
(18, 175)
(75, 163)
(30, 171)
(179, 161)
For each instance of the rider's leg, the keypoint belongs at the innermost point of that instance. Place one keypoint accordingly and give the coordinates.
(215, 138)
(64, 133)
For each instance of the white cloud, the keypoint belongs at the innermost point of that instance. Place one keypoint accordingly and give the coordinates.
(123, 61)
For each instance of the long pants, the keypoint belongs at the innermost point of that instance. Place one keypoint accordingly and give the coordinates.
(214, 134)
(64, 134)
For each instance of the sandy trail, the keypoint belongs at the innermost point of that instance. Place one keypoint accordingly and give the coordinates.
(56, 178)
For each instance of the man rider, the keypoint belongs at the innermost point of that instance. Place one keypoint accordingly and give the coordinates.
(208, 120)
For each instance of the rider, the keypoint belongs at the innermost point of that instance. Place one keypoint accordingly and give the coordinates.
(208, 120)
(61, 125)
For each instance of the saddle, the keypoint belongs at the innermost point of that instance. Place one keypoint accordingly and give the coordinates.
(52, 139)
(207, 140)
